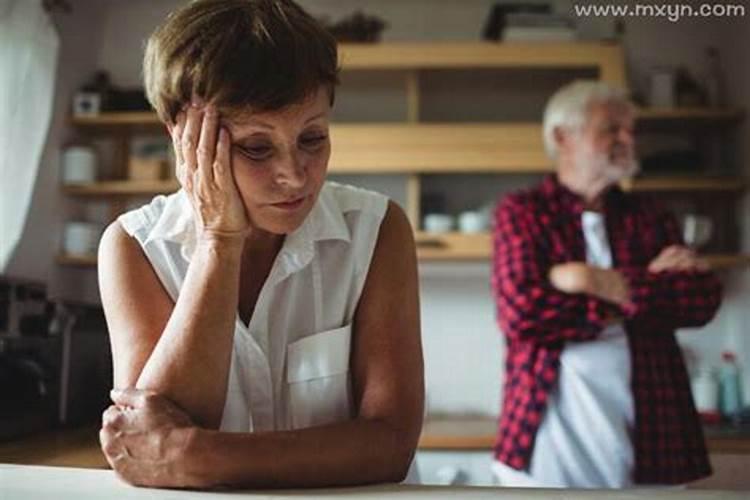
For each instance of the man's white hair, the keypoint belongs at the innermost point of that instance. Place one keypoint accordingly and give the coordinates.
(569, 106)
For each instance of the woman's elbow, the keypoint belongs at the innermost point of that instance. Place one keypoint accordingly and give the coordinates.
(399, 464)
(397, 458)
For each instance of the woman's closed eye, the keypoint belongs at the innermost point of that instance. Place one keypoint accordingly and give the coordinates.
(256, 152)
(313, 142)
(263, 151)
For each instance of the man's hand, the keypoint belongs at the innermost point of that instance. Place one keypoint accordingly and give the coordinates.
(578, 277)
(677, 258)
(571, 277)
(144, 436)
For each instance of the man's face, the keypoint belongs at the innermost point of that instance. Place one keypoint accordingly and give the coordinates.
(604, 148)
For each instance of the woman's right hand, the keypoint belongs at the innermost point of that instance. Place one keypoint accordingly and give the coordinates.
(204, 169)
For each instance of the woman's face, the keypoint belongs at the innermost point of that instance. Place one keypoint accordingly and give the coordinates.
(279, 160)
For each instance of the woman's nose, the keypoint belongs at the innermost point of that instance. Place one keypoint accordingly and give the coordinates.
(292, 172)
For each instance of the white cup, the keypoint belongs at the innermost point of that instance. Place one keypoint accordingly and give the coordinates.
(78, 165)
(438, 223)
(81, 238)
(472, 222)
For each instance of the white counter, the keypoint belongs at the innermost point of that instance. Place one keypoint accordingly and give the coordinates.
(27, 482)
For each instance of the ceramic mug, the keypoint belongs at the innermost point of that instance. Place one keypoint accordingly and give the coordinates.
(78, 165)
(472, 222)
(82, 238)
(438, 223)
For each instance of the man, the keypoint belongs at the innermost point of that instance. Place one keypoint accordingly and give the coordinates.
(590, 284)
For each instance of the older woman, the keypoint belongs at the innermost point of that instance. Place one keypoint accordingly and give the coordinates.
(264, 323)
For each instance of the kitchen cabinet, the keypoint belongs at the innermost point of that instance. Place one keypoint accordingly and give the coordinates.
(422, 143)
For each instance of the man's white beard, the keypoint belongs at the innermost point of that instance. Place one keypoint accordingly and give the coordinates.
(599, 169)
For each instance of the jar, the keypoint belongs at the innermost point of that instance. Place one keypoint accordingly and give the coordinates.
(78, 165)
(705, 390)
(82, 238)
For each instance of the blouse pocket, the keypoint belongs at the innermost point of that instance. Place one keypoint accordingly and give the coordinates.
(318, 378)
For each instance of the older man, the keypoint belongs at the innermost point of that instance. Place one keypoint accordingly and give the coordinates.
(590, 284)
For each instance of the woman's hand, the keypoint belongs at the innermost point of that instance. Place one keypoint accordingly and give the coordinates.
(144, 436)
(204, 169)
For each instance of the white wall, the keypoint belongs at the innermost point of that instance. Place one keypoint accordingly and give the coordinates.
(462, 345)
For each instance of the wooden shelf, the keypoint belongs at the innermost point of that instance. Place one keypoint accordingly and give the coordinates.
(607, 57)
(114, 119)
(684, 184)
(419, 148)
(122, 188)
(458, 433)
(437, 148)
(721, 262)
(460, 246)
(76, 260)
(453, 246)
(694, 113)
(478, 433)
(653, 184)
(149, 118)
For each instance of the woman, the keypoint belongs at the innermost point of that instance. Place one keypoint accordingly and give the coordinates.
(264, 323)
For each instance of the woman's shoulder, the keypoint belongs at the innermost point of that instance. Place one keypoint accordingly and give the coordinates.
(163, 214)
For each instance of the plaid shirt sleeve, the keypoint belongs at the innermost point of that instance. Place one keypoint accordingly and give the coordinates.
(529, 308)
(671, 299)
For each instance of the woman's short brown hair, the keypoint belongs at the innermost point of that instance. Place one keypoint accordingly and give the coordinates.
(242, 55)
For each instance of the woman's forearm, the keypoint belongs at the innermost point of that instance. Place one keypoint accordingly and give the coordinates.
(354, 452)
(190, 363)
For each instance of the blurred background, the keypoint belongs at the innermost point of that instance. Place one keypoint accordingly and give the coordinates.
(440, 108)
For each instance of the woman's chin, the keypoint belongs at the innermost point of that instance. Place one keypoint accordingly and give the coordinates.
(287, 225)
(282, 220)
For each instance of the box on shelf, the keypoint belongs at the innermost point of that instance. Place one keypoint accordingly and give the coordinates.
(146, 169)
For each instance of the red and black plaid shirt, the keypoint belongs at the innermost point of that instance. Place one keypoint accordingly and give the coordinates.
(541, 227)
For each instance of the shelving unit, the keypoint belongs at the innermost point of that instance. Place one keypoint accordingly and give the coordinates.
(413, 148)
(400, 148)
(664, 184)
(77, 260)
(451, 247)
(149, 119)
(452, 55)
(696, 113)
(122, 188)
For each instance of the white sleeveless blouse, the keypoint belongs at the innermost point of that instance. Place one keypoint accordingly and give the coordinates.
(290, 365)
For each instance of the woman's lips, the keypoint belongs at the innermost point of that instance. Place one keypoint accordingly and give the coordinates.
(290, 205)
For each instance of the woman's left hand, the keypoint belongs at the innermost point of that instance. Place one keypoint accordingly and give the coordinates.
(144, 436)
